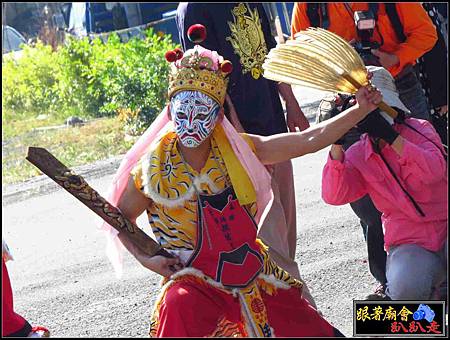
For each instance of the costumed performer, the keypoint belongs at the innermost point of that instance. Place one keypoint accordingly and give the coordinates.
(206, 191)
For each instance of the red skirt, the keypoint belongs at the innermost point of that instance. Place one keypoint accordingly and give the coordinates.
(190, 308)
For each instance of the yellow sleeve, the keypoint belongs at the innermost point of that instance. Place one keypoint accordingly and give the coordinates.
(137, 176)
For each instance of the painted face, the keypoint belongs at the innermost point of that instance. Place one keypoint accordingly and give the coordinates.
(194, 115)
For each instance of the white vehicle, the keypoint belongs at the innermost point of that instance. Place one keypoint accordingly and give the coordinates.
(12, 43)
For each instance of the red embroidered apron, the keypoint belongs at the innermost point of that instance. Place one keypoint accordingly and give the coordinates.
(226, 247)
(227, 251)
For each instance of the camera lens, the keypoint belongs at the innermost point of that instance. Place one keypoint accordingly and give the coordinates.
(419, 315)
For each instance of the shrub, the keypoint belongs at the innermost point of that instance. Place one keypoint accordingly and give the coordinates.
(135, 78)
(91, 79)
(30, 84)
(80, 92)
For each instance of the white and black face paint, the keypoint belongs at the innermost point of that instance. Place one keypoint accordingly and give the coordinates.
(194, 115)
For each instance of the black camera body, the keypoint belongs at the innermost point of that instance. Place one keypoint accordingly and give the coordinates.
(365, 24)
(364, 51)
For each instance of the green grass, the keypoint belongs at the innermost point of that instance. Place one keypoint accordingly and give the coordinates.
(73, 146)
(14, 128)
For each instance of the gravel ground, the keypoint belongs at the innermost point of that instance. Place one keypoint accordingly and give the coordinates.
(61, 278)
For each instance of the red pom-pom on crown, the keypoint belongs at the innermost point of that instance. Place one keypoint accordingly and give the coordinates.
(196, 33)
(171, 56)
(226, 67)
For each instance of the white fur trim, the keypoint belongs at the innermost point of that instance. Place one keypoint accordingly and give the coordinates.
(274, 281)
(170, 203)
(145, 172)
(187, 271)
(201, 275)
(204, 179)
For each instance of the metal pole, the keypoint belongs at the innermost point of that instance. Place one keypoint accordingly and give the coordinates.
(89, 18)
(4, 13)
(273, 9)
(287, 19)
(3, 24)
(277, 22)
(141, 20)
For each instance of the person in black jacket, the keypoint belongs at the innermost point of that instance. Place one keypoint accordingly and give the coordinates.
(241, 33)
(432, 70)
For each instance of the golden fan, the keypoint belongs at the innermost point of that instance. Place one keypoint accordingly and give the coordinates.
(322, 60)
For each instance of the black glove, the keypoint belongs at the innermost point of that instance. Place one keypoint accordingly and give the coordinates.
(400, 117)
(351, 133)
(340, 141)
(349, 138)
(377, 127)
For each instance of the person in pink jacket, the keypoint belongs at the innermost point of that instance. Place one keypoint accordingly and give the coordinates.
(402, 165)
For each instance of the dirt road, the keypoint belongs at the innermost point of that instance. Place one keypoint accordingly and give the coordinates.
(62, 279)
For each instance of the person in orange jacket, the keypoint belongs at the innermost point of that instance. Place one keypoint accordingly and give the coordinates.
(395, 56)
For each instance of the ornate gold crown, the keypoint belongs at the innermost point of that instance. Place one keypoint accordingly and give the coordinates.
(198, 69)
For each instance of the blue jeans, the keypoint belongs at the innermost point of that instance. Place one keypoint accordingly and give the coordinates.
(414, 273)
(412, 94)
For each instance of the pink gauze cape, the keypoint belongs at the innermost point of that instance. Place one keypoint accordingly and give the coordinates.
(255, 169)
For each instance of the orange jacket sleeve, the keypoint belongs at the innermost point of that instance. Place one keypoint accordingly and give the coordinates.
(420, 34)
(300, 20)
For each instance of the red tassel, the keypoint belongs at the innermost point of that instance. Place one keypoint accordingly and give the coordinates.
(196, 33)
(171, 56)
(226, 67)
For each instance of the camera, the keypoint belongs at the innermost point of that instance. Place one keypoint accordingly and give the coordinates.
(365, 24)
(423, 312)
